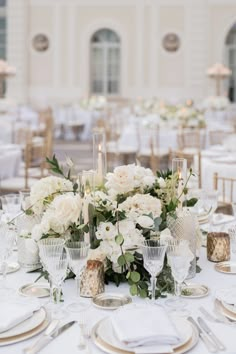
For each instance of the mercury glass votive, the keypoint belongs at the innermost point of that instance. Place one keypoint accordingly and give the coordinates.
(218, 246)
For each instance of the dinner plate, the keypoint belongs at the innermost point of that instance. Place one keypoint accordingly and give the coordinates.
(29, 324)
(108, 301)
(103, 336)
(224, 311)
(229, 307)
(226, 267)
(12, 267)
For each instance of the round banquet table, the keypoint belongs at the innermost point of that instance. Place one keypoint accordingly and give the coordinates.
(67, 342)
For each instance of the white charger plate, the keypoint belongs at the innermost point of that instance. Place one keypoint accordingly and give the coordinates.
(104, 337)
(29, 324)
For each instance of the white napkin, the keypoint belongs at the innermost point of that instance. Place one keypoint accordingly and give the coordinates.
(222, 219)
(145, 329)
(13, 313)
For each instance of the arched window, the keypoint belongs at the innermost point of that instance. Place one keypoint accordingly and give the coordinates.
(231, 57)
(105, 62)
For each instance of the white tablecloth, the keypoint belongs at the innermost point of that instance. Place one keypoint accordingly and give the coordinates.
(67, 342)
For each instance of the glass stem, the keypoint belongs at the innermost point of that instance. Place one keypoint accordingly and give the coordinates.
(58, 294)
(51, 290)
(153, 283)
(77, 284)
(4, 274)
(178, 287)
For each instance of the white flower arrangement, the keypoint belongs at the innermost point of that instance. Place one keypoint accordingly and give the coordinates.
(218, 103)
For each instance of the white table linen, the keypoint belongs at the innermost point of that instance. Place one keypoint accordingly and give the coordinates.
(68, 341)
(13, 313)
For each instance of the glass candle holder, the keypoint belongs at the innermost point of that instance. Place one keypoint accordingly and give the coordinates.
(99, 156)
(218, 246)
(179, 171)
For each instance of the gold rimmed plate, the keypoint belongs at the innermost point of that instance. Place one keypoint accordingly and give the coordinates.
(226, 267)
(194, 291)
(109, 301)
(225, 310)
(35, 290)
(103, 336)
(27, 329)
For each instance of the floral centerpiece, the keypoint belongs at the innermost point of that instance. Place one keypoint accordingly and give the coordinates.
(217, 103)
(132, 206)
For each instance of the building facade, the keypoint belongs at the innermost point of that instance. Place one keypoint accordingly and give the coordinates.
(66, 49)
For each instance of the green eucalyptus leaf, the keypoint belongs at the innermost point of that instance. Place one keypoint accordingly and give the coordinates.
(133, 290)
(119, 239)
(121, 260)
(143, 293)
(129, 257)
(135, 277)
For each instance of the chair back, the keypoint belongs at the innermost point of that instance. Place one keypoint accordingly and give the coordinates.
(226, 186)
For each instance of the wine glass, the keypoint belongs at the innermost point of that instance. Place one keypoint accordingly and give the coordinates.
(25, 199)
(232, 235)
(77, 254)
(50, 252)
(57, 268)
(179, 258)
(153, 258)
(11, 205)
(7, 239)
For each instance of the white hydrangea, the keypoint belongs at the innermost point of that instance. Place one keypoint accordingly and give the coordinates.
(47, 188)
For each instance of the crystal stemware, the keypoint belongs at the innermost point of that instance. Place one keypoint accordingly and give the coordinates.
(179, 258)
(11, 205)
(7, 239)
(50, 252)
(153, 258)
(57, 268)
(232, 235)
(77, 254)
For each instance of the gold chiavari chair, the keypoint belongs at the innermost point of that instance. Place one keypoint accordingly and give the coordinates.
(227, 189)
(217, 137)
(191, 139)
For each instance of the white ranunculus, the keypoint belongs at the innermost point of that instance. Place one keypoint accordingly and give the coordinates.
(106, 231)
(145, 221)
(121, 180)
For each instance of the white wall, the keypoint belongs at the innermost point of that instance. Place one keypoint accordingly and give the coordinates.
(62, 72)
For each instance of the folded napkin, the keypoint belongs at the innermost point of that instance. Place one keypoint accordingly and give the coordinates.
(13, 313)
(145, 329)
(222, 219)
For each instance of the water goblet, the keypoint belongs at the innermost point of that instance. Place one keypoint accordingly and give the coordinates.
(11, 205)
(153, 258)
(25, 199)
(7, 239)
(179, 258)
(50, 250)
(57, 269)
(77, 254)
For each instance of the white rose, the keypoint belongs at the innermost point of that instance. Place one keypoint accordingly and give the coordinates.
(161, 182)
(148, 181)
(67, 208)
(145, 221)
(122, 180)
